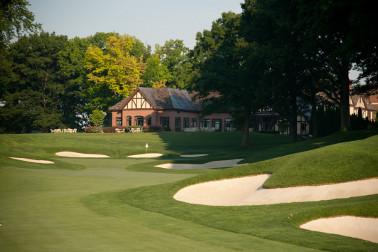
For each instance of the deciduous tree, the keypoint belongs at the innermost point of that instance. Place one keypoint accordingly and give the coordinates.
(116, 67)
(228, 71)
(174, 56)
(33, 99)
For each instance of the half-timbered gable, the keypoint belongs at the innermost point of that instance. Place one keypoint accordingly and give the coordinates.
(138, 102)
(363, 103)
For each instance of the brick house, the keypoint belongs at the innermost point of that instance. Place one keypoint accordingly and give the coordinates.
(166, 107)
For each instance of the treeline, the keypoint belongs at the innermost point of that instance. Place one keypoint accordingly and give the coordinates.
(275, 55)
(54, 82)
(288, 56)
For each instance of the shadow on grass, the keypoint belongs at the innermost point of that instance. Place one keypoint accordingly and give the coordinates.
(222, 146)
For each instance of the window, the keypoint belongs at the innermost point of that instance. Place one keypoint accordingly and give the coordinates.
(227, 124)
(164, 122)
(186, 123)
(128, 120)
(178, 124)
(194, 122)
(119, 121)
(139, 121)
(205, 124)
(148, 120)
(216, 124)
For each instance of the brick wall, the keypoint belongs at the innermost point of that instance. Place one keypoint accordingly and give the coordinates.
(172, 114)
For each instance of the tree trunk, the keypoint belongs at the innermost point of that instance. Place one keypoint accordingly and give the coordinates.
(245, 131)
(294, 126)
(344, 98)
(314, 114)
(314, 119)
(293, 114)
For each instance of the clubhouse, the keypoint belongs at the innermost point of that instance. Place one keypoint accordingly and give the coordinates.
(168, 108)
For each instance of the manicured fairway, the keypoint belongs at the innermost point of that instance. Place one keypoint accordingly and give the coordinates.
(125, 204)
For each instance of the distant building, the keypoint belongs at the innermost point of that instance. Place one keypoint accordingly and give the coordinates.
(367, 104)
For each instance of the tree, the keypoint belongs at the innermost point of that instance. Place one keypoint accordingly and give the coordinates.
(174, 56)
(227, 71)
(71, 61)
(271, 26)
(347, 32)
(97, 117)
(15, 19)
(33, 99)
(116, 68)
(156, 74)
(364, 36)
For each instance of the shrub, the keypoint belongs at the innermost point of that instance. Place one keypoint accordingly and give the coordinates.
(93, 129)
(154, 129)
(97, 117)
(112, 129)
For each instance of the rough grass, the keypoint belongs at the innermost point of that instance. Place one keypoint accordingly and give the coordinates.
(123, 204)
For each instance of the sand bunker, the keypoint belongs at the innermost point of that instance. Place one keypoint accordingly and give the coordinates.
(248, 191)
(81, 155)
(33, 160)
(209, 165)
(352, 226)
(148, 155)
(193, 155)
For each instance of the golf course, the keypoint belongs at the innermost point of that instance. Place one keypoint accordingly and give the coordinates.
(50, 201)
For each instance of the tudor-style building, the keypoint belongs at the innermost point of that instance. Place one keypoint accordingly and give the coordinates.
(364, 103)
(166, 107)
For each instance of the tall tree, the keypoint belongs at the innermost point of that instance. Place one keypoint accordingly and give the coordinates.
(226, 77)
(117, 69)
(71, 61)
(271, 25)
(174, 55)
(33, 99)
(335, 25)
(15, 19)
(156, 74)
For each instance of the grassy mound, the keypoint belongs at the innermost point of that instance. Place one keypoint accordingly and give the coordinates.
(330, 164)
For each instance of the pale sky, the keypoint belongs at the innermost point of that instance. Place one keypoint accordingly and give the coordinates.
(151, 21)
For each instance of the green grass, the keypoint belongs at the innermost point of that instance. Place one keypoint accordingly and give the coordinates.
(123, 204)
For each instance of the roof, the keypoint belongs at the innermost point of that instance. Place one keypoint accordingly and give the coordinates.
(366, 100)
(163, 99)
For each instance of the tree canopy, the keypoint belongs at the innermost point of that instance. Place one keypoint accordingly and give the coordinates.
(116, 68)
(33, 98)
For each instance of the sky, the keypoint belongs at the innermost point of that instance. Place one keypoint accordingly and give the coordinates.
(150, 21)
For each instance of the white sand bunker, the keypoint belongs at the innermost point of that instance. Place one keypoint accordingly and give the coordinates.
(248, 191)
(33, 160)
(209, 165)
(193, 155)
(352, 226)
(81, 155)
(148, 155)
